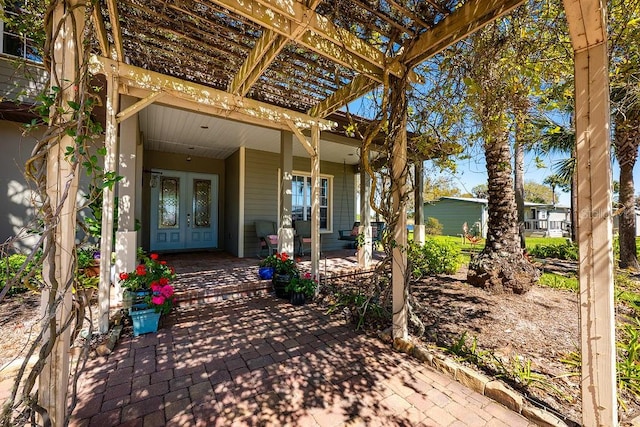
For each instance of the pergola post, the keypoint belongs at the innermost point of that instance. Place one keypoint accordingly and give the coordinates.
(418, 216)
(587, 25)
(285, 230)
(365, 255)
(398, 132)
(62, 187)
(106, 237)
(315, 201)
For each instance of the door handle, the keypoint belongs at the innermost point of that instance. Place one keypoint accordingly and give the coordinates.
(188, 220)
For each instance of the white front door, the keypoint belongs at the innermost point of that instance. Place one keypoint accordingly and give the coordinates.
(184, 211)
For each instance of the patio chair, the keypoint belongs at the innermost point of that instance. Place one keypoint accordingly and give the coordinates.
(267, 234)
(303, 235)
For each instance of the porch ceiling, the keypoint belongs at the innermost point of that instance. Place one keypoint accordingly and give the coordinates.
(193, 134)
(311, 56)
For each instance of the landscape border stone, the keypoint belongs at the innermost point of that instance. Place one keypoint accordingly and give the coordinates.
(491, 388)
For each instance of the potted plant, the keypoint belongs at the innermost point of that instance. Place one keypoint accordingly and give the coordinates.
(147, 293)
(302, 288)
(284, 269)
(266, 268)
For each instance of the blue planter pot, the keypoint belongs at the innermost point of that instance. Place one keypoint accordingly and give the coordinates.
(145, 321)
(265, 273)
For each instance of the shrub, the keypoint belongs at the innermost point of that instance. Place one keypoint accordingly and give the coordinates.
(9, 268)
(432, 226)
(565, 250)
(434, 257)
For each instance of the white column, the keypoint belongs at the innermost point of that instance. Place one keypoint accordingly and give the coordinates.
(315, 201)
(365, 256)
(418, 217)
(106, 238)
(587, 26)
(61, 178)
(285, 232)
(129, 191)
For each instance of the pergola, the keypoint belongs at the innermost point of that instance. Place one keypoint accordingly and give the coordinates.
(287, 65)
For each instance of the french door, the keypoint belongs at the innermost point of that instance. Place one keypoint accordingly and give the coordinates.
(184, 211)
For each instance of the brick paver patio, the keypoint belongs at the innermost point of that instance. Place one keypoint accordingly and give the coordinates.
(262, 361)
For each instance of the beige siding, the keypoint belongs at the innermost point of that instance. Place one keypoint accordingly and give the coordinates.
(261, 196)
(232, 174)
(19, 81)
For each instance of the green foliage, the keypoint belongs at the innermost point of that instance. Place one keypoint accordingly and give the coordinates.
(565, 250)
(434, 257)
(85, 257)
(305, 284)
(362, 309)
(538, 193)
(432, 226)
(557, 281)
(20, 282)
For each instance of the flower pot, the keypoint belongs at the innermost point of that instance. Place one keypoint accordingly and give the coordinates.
(145, 321)
(280, 282)
(265, 273)
(298, 298)
(134, 298)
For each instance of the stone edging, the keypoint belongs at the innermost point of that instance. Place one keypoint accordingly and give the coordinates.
(493, 389)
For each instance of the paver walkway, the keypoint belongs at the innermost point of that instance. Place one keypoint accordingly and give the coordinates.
(262, 361)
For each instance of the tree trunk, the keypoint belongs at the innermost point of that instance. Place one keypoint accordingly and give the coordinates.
(501, 266)
(627, 138)
(518, 177)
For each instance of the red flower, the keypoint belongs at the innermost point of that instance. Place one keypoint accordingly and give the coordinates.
(172, 270)
(141, 270)
(158, 300)
(156, 287)
(153, 256)
(166, 291)
(124, 276)
(164, 281)
(163, 262)
(285, 256)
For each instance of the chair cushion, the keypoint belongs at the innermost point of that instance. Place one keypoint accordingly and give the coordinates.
(355, 230)
(273, 239)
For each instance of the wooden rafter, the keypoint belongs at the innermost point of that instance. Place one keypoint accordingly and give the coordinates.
(359, 86)
(116, 31)
(150, 81)
(471, 16)
(101, 31)
(337, 41)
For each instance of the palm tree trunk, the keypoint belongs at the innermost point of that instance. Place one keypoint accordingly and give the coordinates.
(518, 177)
(501, 266)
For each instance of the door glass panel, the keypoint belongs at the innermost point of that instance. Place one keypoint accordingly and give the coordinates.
(169, 206)
(201, 203)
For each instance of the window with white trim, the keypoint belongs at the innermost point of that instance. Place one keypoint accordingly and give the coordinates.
(301, 199)
(14, 41)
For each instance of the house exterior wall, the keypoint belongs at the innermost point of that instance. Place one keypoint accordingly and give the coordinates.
(21, 84)
(452, 214)
(261, 196)
(172, 161)
(232, 205)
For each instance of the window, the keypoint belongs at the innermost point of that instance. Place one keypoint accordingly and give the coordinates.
(301, 199)
(14, 41)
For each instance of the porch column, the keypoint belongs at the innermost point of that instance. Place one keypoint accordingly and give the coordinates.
(285, 231)
(315, 201)
(106, 237)
(128, 193)
(587, 26)
(398, 132)
(418, 217)
(61, 189)
(365, 251)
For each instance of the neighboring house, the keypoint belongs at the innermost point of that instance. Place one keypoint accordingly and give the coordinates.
(454, 212)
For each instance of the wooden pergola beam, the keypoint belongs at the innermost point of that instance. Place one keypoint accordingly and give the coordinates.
(101, 31)
(358, 87)
(301, 138)
(152, 81)
(468, 18)
(116, 30)
(337, 44)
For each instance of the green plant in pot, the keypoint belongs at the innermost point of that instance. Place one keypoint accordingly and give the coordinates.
(284, 270)
(302, 288)
(138, 284)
